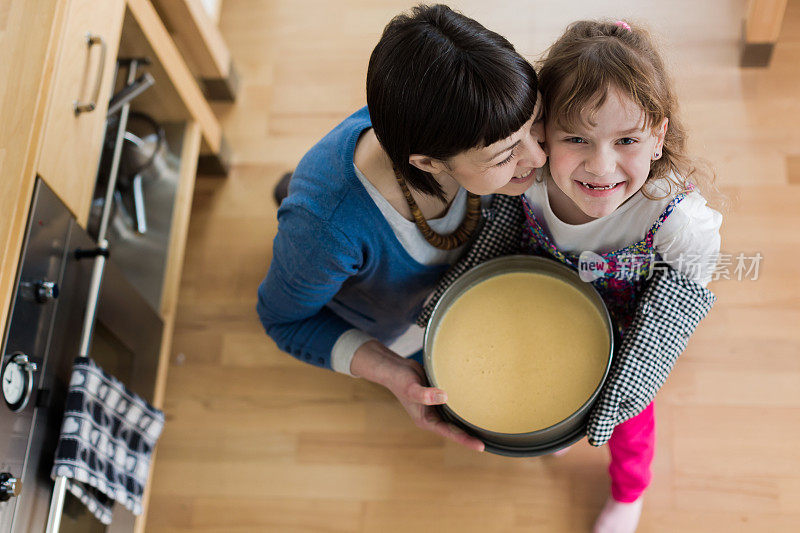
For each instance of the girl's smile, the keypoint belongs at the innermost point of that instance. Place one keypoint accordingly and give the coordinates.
(599, 190)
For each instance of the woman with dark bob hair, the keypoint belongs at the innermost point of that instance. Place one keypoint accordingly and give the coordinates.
(386, 202)
(390, 200)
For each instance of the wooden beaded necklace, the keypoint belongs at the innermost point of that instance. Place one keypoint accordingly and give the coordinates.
(461, 233)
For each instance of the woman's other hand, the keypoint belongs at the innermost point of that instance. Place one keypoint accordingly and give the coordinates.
(406, 380)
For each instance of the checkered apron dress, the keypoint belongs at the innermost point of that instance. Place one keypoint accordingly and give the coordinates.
(670, 307)
(625, 271)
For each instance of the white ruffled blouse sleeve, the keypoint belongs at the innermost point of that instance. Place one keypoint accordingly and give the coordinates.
(689, 239)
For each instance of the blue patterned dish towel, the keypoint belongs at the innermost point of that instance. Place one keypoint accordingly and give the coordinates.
(107, 439)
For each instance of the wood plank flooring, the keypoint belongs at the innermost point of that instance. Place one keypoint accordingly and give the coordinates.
(256, 441)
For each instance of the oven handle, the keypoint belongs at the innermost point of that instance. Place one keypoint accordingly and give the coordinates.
(60, 487)
(56, 505)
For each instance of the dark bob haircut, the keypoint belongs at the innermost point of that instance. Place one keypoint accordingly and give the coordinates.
(439, 83)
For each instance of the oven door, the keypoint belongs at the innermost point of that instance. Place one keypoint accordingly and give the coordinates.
(126, 340)
(30, 323)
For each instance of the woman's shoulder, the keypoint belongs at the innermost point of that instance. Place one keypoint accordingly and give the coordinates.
(334, 152)
(324, 181)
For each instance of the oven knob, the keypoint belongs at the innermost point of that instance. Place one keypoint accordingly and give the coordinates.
(46, 291)
(29, 366)
(9, 486)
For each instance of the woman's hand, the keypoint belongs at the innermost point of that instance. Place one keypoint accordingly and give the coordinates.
(406, 380)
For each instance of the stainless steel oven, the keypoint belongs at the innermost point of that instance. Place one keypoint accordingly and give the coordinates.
(42, 338)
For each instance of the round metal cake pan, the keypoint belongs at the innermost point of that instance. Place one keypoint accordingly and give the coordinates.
(542, 441)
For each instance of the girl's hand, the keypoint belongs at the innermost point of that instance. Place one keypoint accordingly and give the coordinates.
(406, 380)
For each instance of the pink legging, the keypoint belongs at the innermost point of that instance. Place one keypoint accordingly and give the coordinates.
(632, 446)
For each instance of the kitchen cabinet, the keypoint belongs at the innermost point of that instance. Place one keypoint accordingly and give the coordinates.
(48, 62)
(79, 96)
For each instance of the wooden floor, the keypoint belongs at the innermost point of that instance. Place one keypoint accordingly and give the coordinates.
(256, 441)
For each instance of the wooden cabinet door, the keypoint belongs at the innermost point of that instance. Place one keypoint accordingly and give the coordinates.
(70, 151)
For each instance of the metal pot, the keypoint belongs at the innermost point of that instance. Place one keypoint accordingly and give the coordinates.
(143, 147)
(543, 441)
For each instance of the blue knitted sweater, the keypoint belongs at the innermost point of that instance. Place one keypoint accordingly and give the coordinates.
(336, 264)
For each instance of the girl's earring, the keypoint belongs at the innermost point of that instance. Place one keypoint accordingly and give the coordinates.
(656, 155)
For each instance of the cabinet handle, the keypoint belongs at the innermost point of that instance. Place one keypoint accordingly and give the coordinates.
(92, 40)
